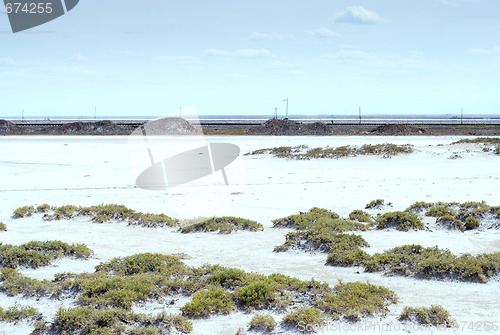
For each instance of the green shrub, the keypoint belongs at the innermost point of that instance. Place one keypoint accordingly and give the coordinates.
(212, 301)
(438, 211)
(225, 224)
(262, 323)
(22, 212)
(13, 283)
(151, 220)
(143, 263)
(349, 257)
(257, 294)
(375, 204)
(304, 220)
(43, 208)
(435, 315)
(472, 223)
(434, 263)
(16, 313)
(3, 227)
(229, 278)
(356, 300)
(480, 140)
(101, 218)
(400, 220)
(361, 216)
(65, 212)
(305, 318)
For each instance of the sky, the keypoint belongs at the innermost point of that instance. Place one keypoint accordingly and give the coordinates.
(151, 57)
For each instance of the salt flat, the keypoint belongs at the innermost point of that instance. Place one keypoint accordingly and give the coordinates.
(93, 170)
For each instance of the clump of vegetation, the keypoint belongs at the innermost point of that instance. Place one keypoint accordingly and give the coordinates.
(143, 263)
(262, 323)
(347, 257)
(225, 225)
(86, 320)
(451, 222)
(356, 300)
(472, 223)
(434, 263)
(304, 152)
(16, 313)
(480, 140)
(35, 254)
(305, 318)
(304, 220)
(212, 301)
(257, 294)
(361, 216)
(13, 283)
(152, 220)
(65, 212)
(434, 315)
(400, 220)
(375, 204)
(3, 227)
(45, 208)
(22, 212)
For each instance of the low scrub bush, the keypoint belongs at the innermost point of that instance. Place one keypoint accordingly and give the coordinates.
(35, 254)
(375, 204)
(400, 220)
(3, 227)
(13, 283)
(480, 140)
(356, 300)
(361, 216)
(304, 220)
(257, 294)
(17, 313)
(225, 224)
(262, 323)
(143, 263)
(472, 223)
(434, 315)
(205, 303)
(451, 222)
(347, 257)
(434, 263)
(22, 212)
(305, 318)
(45, 208)
(151, 220)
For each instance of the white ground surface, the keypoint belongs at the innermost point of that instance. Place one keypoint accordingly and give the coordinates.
(94, 170)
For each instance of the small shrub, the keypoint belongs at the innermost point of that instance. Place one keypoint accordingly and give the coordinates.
(3, 227)
(361, 216)
(438, 211)
(143, 263)
(151, 220)
(101, 218)
(435, 315)
(355, 300)
(229, 278)
(262, 323)
(13, 283)
(16, 313)
(472, 223)
(304, 220)
(400, 220)
(375, 204)
(257, 294)
(305, 318)
(211, 301)
(43, 208)
(22, 212)
(225, 225)
(451, 222)
(342, 257)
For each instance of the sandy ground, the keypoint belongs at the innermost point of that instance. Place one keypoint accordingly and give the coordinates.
(92, 170)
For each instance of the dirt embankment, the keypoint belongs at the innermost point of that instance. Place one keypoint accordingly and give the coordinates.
(397, 129)
(289, 128)
(7, 127)
(91, 128)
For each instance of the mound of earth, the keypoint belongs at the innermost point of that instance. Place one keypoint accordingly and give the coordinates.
(171, 126)
(99, 127)
(396, 129)
(289, 127)
(9, 127)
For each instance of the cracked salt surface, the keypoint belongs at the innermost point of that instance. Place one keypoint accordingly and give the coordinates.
(94, 170)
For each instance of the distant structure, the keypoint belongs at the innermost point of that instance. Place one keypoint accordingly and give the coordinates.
(286, 100)
(275, 112)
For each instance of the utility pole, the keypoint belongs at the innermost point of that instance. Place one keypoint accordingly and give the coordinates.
(462, 117)
(275, 112)
(22, 117)
(95, 113)
(286, 100)
(180, 111)
(359, 115)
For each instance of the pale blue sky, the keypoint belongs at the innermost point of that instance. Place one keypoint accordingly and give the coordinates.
(244, 57)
